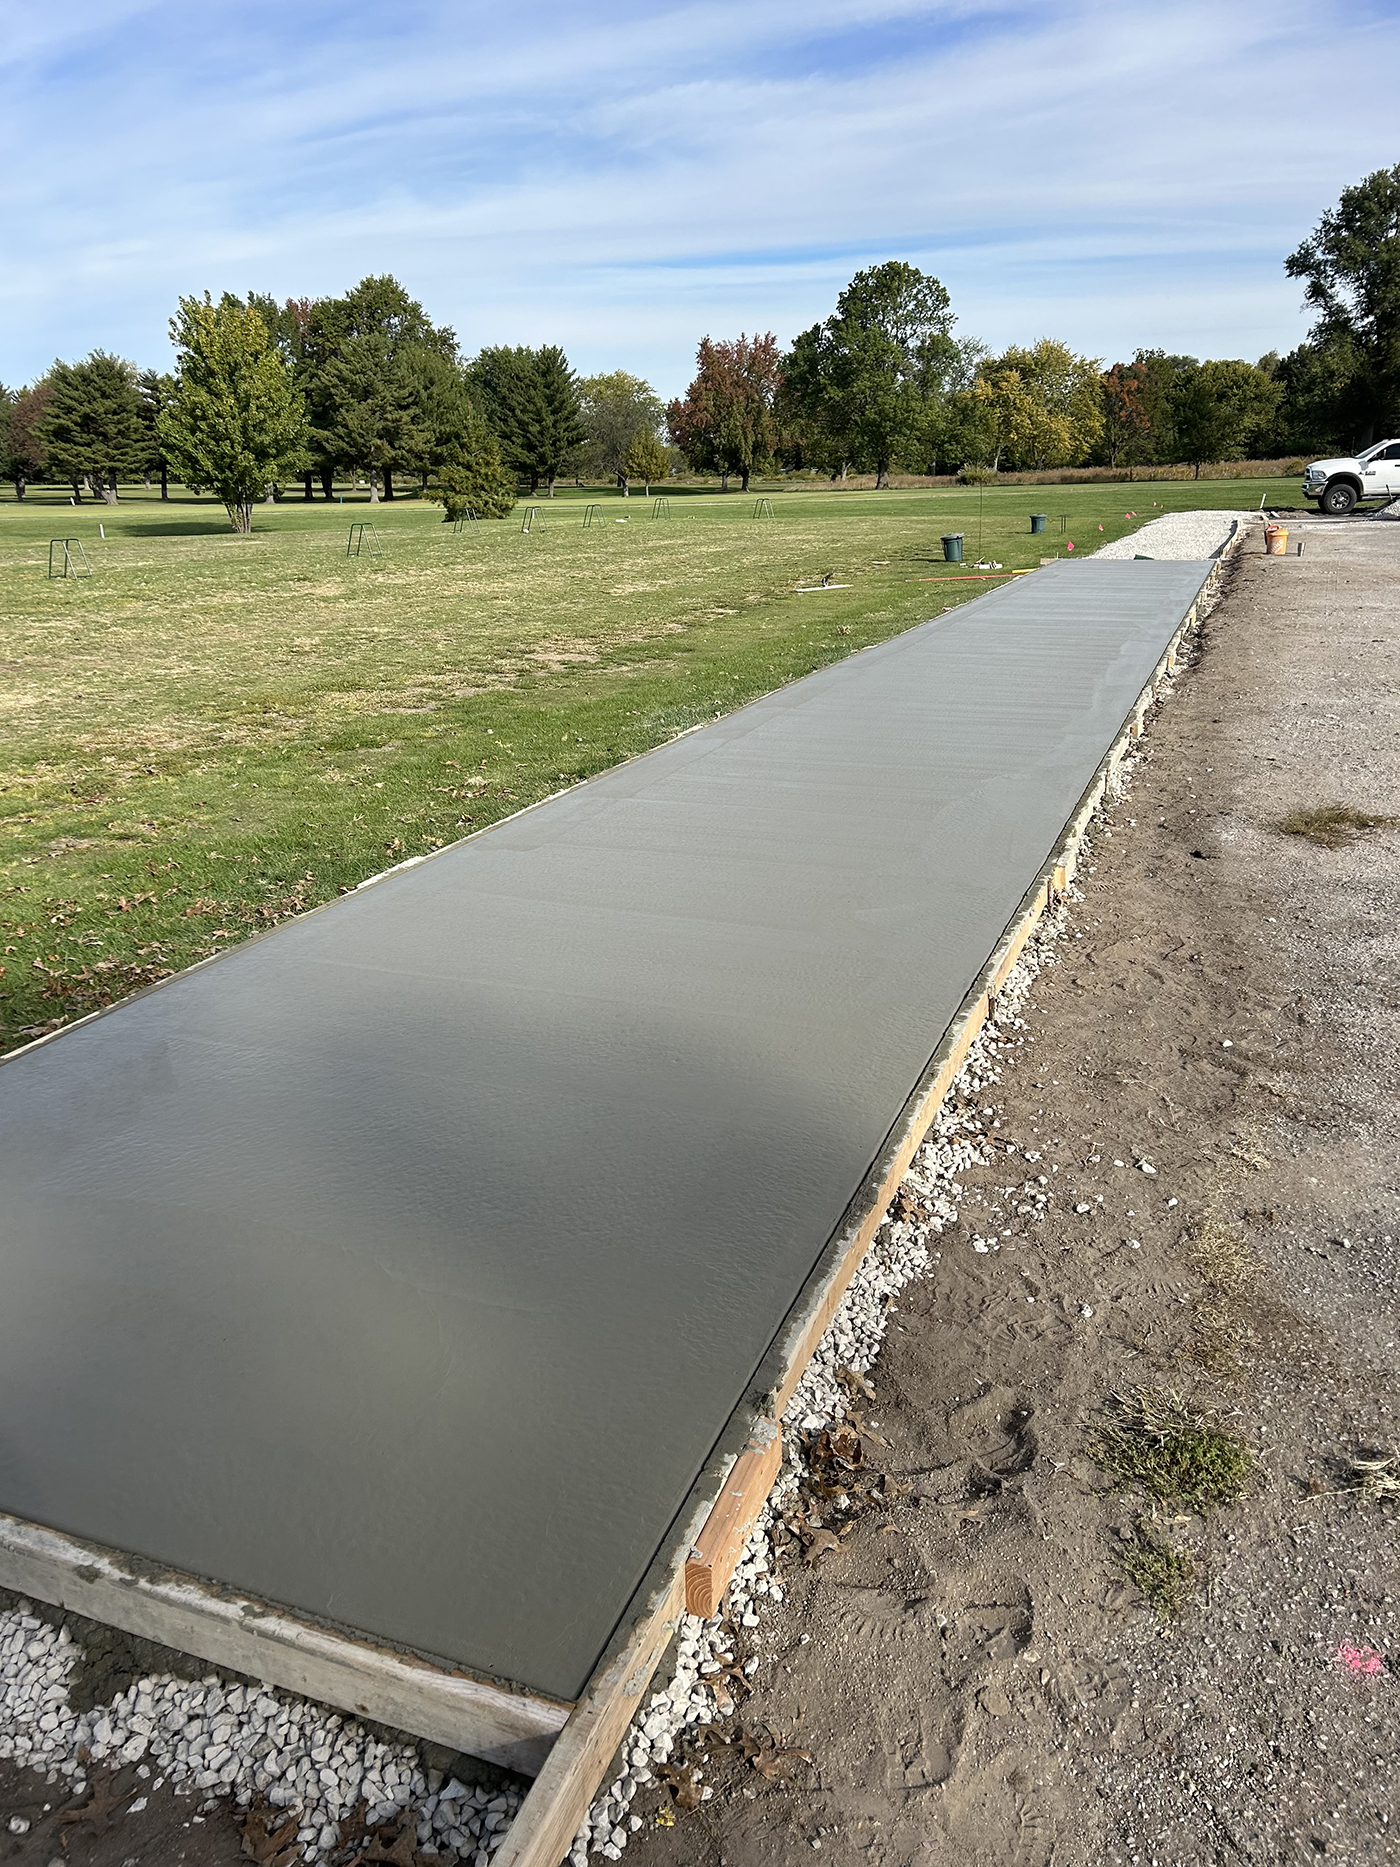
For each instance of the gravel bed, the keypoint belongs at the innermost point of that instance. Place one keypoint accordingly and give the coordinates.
(1176, 537)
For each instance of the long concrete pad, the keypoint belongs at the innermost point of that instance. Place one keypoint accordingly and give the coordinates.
(404, 1267)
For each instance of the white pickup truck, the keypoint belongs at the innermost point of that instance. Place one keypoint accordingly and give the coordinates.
(1337, 485)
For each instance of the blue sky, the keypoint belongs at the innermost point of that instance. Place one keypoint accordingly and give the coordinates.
(623, 179)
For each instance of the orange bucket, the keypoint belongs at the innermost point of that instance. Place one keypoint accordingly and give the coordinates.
(1276, 540)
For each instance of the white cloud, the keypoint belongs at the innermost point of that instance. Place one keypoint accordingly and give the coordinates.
(621, 184)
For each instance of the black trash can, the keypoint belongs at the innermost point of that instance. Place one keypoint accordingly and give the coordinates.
(1038, 521)
(952, 547)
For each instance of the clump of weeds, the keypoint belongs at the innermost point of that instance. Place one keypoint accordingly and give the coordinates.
(1333, 826)
(1162, 1573)
(1154, 1442)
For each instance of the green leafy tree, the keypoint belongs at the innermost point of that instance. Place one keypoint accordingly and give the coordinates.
(618, 410)
(534, 404)
(1351, 262)
(647, 460)
(1043, 406)
(1323, 398)
(91, 432)
(236, 423)
(867, 387)
(1221, 409)
(727, 420)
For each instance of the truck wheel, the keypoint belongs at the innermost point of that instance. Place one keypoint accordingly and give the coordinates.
(1338, 499)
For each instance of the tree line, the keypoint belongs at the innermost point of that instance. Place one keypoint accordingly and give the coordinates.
(265, 394)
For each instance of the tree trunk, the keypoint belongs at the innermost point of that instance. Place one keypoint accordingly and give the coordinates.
(307, 489)
(77, 493)
(269, 494)
(744, 473)
(21, 486)
(148, 479)
(164, 481)
(845, 464)
(623, 483)
(882, 474)
(328, 482)
(241, 516)
(1197, 474)
(534, 481)
(724, 480)
(109, 491)
(551, 486)
(388, 483)
(374, 486)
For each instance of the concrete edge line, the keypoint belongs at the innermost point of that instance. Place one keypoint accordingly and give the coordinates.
(550, 1816)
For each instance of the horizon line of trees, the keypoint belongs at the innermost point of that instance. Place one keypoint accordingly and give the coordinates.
(265, 394)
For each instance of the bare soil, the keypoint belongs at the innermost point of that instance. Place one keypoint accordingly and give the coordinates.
(973, 1674)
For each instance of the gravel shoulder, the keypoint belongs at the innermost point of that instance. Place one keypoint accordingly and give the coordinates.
(1177, 535)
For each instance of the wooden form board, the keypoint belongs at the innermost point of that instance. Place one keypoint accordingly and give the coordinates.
(446, 1706)
(552, 1813)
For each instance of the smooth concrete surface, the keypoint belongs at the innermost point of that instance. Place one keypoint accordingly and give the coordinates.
(404, 1266)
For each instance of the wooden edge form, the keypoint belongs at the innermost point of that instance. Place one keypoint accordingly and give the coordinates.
(710, 1566)
(514, 1729)
(543, 1831)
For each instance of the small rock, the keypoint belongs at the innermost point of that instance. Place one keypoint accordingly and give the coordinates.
(19, 1824)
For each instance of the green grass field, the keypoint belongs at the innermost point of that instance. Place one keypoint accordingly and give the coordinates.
(214, 732)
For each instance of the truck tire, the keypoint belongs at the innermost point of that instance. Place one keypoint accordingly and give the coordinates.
(1338, 499)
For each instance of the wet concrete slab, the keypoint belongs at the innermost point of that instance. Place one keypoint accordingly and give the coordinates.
(404, 1266)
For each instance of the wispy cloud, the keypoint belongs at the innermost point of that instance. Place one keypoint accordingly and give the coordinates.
(623, 182)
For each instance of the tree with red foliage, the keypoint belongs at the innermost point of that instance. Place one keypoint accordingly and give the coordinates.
(725, 424)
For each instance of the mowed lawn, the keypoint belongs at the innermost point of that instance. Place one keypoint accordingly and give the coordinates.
(213, 732)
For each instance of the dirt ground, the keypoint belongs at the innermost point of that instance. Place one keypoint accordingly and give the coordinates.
(972, 1675)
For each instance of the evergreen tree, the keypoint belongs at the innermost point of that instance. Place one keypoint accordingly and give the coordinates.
(236, 422)
(91, 432)
(532, 400)
(156, 392)
(466, 469)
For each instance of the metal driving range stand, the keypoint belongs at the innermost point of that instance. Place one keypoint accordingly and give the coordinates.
(69, 568)
(363, 537)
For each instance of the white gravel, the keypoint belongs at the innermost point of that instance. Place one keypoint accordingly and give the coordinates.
(1176, 537)
(212, 1738)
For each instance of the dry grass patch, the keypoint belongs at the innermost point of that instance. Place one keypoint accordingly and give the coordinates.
(1333, 826)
